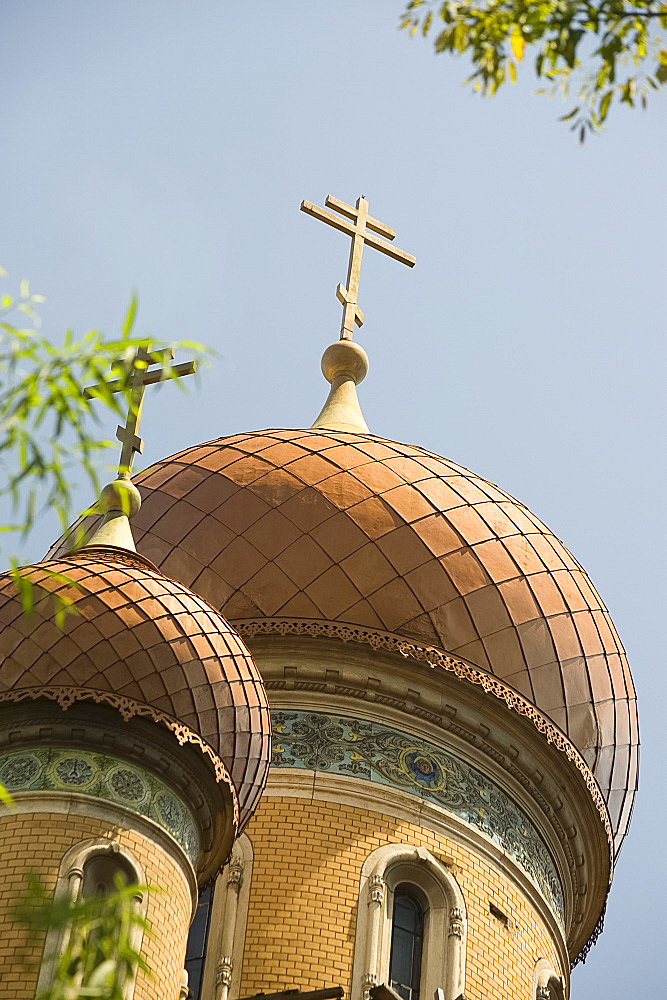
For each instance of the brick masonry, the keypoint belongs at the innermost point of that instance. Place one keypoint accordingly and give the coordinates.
(305, 887)
(36, 843)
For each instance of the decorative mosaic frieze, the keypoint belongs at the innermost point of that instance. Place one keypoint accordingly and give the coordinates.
(102, 777)
(377, 753)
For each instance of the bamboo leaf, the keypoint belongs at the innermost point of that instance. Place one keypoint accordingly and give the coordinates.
(517, 43)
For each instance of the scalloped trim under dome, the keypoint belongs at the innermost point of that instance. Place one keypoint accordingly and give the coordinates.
(129, 709)
(435, 659)
(104, 777)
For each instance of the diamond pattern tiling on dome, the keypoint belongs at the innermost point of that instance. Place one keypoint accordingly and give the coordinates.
(142, 636)
(354, 528)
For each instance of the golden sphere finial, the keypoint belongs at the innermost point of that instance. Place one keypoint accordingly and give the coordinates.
(121, 495)
(345, 358)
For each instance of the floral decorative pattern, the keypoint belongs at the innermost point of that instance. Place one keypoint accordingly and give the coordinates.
(102, 777)
(463, 670)
(127, 785)
(369, 750)
(128, 709)
(74, 771)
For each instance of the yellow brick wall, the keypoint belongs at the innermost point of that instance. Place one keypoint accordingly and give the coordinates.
(36, 843)
(305, 885)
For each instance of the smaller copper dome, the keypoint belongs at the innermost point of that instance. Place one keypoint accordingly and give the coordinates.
(136, 639)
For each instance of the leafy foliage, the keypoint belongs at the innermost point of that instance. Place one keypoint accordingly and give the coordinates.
(48, 427)
(97, 954)
(47, 424)
(602, 52)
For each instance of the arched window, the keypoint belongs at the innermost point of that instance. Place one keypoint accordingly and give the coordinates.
(411, 926)
(555, 987)
(90, 938)
(407, 939)
(92, 870)
(197, 940)
(101, 873)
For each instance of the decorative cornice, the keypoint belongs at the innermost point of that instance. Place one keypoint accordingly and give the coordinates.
(437, 659)
(471, 738)
(102, 778)
(128, 708)
(599, 927)
(384, 755)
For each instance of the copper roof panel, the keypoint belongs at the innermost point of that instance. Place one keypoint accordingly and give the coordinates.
(142, 636)
(443, 557)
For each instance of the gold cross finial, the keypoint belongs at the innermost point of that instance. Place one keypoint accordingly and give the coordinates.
(364, 230)
(147, 367)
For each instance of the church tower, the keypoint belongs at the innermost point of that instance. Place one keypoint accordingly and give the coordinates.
(134, 742)
(454, 723)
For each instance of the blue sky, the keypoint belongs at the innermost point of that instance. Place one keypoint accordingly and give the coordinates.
(165, 147)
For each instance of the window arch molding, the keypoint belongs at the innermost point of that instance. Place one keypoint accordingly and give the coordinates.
(443, 962)
(69, 885)
(547, 984)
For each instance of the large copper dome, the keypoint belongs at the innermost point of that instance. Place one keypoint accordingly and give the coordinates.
(146, 646)
(352, 528)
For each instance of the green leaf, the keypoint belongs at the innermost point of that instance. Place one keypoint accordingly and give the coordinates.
(47, 427)
(130, 315)
(578, 46)
(604, 104)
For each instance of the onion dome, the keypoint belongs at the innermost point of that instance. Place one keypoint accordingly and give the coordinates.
(143, 644)
(344, 527)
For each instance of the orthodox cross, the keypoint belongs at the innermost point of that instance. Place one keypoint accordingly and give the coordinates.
(147, 367)
(362, 228)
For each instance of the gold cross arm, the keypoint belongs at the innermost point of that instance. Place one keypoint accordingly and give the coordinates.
(143, 373)
(355, 230)
(150, 378)
(364, 230)
(351, 213)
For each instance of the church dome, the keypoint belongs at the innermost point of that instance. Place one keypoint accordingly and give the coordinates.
(347, 527)
(144, 645)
